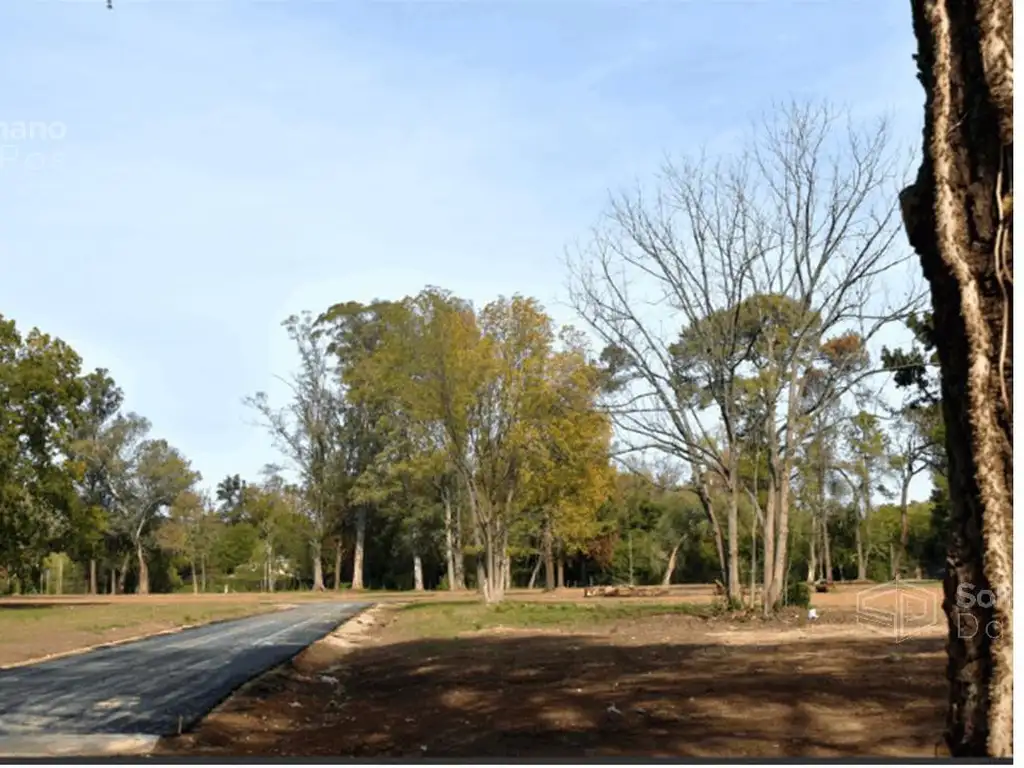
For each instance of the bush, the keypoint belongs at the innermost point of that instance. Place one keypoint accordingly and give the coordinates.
(798, 594)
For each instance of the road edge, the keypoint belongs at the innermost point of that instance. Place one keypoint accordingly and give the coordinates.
(78, 746)
(367, 607)
(136, 638)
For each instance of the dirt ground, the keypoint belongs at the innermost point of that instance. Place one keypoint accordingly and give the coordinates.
(396, 685)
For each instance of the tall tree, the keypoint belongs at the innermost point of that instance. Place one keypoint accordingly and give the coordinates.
(149, 474)
(355, 332)
(958, 216)
(764, 265)
(40, 412)
(306, 429)
(695, 246)
(868, 452)
(94, 449)
(188, 531)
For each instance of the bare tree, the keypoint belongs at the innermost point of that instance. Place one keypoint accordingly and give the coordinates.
(911, 454)
(764, 272)
(688, 256)
(306, 430)
(819, 302)
(958, 216)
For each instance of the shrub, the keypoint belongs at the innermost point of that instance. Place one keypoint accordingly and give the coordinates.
(798, 594)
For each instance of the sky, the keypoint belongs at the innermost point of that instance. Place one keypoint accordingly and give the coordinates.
(197, 170)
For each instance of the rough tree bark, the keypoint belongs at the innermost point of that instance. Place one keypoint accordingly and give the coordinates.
(142, 587)
(958, 216)
(457, 553)
(338, 552)
(535, 573)
(318, 565)
(449, 538)
(357, 557)
(549, 554)
(671, 567)
(901, 554)
(826, 548)
(122, 577)
(417, 572)
(812, 561)
(858, 536)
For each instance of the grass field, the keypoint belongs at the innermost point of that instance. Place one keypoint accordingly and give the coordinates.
(36, 627)
(29, 632)
(562, 677)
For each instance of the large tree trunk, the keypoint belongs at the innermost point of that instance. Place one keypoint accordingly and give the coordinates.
(449, 538)
(318, 565)
(862, 522)
(357, 557)
(549, 554)
(858, 527)
(122, 579)
(494, 566)
(826, 547)
(142, 588)
(481, 568)
(958, 218)
(812, 561)
(671, 567)
(535, 573)
(780, 575)
(769, 544)
(901, 553)
(269, 569)
(93, 583)
(195, 579)
(457, 553)
(753, 557)
(733, 586)
(417, 572)
(338, 552)
(561, 570)
(716, 529)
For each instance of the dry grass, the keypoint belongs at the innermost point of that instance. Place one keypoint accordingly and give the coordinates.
(30, 632)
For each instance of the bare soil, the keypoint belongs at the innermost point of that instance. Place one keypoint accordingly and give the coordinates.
(670, 685)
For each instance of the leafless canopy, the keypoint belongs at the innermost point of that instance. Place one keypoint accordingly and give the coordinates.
(805, 214)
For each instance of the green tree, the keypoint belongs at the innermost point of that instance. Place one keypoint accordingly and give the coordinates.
(868, 445)
(40, 411)
(306, 430)
(146, 476)
(189, 531)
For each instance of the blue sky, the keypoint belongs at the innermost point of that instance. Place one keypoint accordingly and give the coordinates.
(212, 166)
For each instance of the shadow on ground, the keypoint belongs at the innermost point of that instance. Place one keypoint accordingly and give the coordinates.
(608, 695)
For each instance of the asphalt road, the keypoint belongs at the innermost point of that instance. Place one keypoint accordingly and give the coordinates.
(144, 687)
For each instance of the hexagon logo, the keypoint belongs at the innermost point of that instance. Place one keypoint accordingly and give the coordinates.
(898, 609)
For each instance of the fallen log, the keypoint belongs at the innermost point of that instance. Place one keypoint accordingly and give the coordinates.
(610, 591)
